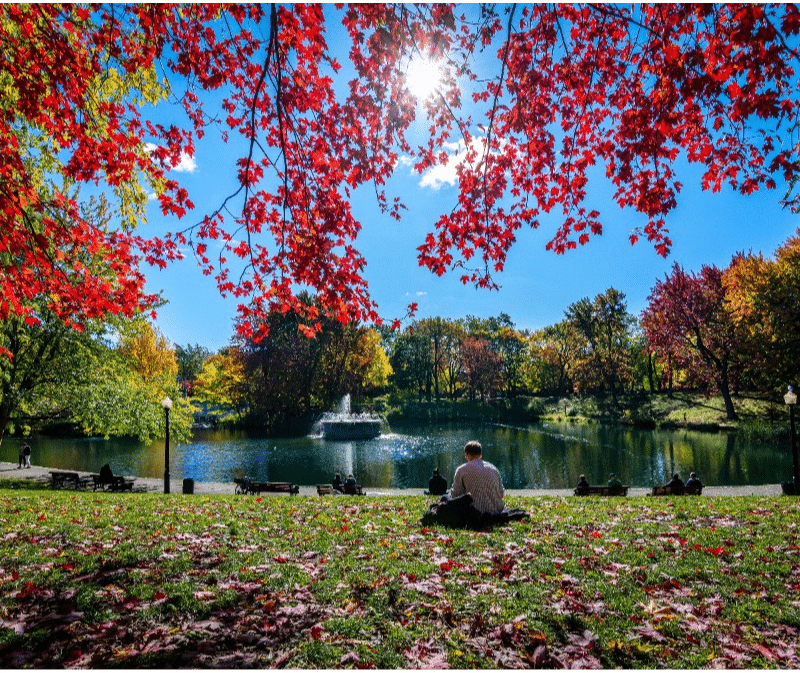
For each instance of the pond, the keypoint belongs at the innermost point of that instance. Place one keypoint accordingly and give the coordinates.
(542, 455)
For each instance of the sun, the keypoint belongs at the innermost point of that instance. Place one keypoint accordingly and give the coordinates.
(423, 77)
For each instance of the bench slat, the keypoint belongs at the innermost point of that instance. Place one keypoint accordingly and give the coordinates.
(602, 490)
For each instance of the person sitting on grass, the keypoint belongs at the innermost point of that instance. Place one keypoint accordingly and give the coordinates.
(476, 499)
(480, 480)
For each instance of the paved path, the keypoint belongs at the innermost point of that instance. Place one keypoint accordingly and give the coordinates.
(10, 471)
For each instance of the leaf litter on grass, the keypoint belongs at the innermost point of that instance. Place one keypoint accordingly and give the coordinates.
(340, 583)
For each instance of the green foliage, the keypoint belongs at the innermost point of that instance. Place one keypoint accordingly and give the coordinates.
(190, 360)
(214, 581)
(80, 377)
(288, 377)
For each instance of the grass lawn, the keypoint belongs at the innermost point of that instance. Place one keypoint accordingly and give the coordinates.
(147, 580)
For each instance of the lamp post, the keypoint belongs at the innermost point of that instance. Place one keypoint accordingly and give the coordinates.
(167, 404)
(791, 400)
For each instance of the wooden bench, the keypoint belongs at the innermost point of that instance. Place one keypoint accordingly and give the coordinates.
(274, 487)
(325, 489)
(116, 483)
(352, 489)
(603, 491)
(667, 490)
(64, 479)
(248, 486)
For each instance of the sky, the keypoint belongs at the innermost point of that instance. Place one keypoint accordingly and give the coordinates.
(537, 286)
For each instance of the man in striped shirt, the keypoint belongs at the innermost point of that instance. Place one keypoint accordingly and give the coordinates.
(480, 479)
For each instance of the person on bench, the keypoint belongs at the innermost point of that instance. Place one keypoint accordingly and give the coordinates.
(694, 483)
(337, 483)
(675, 485)
(351, 486)
(614, 485)
(583, 486)
(437, 484)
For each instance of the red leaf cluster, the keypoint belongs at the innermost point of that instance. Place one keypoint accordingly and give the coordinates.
(575, 91)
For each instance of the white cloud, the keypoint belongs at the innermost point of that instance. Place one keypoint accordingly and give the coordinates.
(186, 164)
(445, 174)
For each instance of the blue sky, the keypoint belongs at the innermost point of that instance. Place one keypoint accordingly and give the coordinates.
(537, 286)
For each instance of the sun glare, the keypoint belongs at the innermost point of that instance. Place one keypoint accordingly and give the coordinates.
(423, 76)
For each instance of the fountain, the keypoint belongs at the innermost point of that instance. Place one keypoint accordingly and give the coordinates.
(345, 425)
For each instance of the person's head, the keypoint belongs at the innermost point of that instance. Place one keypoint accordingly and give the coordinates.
(693, 475)
(676, 476)
(582, 477)
(338, 476)
(473, 449)
(436, 470)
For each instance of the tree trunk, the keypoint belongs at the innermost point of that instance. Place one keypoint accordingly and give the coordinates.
(725, 390)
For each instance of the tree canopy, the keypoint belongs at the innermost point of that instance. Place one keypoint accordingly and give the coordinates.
(540, 99)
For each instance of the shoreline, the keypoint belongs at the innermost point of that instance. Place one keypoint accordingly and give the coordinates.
(156, 485)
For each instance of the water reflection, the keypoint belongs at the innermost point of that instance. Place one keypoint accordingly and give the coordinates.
(532, 456)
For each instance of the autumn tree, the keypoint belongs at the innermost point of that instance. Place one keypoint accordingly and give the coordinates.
(221, 380)
(57, 374)
(482, 368)
(149, 354)
(763, 298)
(290, 377)
(554, 350)
(452, 363)
(505, 341)
(686, 319)
(190, 363)
(352, 362)
(605, 325)
(535, 97)
(411, 362)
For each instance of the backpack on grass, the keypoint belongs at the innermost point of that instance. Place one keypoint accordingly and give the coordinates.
(460, 513)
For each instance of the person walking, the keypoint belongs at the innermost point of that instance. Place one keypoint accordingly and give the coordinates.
(26, 454)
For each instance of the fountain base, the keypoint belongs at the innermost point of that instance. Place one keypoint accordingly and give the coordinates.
(357, 428)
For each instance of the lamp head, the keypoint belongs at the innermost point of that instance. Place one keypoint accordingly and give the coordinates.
(166, 403)
(790, 397)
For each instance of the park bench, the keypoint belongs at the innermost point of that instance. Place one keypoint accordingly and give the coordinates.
(668, 490)
(352, 489)
(602, 490)
(325, 489)
(65, 479)
(111, 482)
(248, 486)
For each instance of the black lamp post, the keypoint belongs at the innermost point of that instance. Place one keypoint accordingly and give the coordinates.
(791, 400)
(167, 404)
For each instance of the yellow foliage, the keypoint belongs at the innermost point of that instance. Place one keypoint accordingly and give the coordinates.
(150, 354)
(220, 379)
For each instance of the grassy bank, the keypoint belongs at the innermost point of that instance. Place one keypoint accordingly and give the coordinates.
(757, 416)
(104, 580)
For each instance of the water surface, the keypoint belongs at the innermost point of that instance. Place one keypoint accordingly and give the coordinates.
(541, 455)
